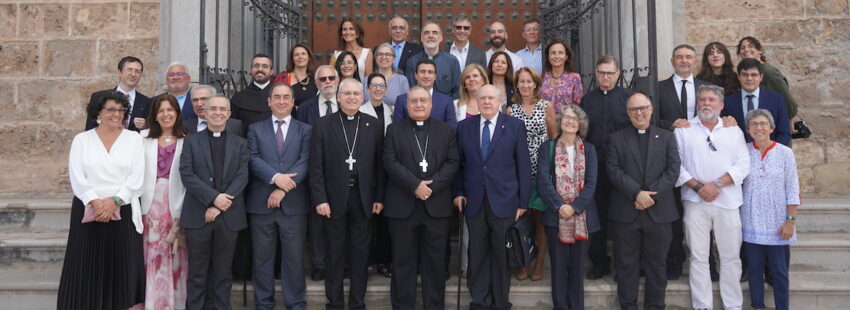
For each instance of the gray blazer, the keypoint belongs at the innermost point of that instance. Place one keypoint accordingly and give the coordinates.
(265, 163)
(475, 55)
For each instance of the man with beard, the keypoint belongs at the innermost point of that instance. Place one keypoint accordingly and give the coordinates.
(448, 69)
(498, 42)
(177, 81)
(250, 105)
(129, 73)
(715, 162)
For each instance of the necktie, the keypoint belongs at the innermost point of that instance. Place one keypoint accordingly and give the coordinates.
(684, 98)
(203, 125)
(328, 109)
(278, 136)
(750, 105)
(485, 139)
(129, 117)
(397, 49)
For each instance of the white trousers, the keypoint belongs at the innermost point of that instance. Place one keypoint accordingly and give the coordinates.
(700, 219)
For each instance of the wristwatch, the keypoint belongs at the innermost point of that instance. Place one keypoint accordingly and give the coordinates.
(698, 187)
(718, 183)
(118, 201)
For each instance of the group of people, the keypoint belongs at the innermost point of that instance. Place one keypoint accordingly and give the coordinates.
(365, 159)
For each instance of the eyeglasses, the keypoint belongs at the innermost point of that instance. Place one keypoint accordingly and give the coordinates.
(603, 73)
(217, 109)
(710, 145)
(385, 55)
(459, 27)
(115, 110)
(327, 78)
(749, 75)
(173, 74)
(350, 93)
(642, 109)
(570, 118)
(760, 124)
(377, 85)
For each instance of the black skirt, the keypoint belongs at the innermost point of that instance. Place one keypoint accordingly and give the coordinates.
(104, 264)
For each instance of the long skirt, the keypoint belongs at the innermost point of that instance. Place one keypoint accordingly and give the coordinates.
(166, 272)
(104, 264)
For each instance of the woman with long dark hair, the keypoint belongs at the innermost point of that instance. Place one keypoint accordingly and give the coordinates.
(717, 68)
(350, 38)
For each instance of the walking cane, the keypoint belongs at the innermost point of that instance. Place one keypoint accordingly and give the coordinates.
(459, 254)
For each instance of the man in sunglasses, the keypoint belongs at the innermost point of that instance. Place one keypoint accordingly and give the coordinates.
(461, 48)
(177, 81)
(715, 162)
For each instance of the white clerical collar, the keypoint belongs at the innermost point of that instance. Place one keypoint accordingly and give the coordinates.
(216, 134)
(420, 123)
(641, 131)
(262, 86)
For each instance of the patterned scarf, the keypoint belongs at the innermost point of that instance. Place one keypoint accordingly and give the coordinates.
(575, 227)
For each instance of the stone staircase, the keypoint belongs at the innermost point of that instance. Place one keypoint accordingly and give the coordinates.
(33, 234)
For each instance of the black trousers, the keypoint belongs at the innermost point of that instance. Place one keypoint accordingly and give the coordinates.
(677, 248)
(419, 243)
(356, 226)
(489, 273)
(211, 251)
(641, 241)
(599, 239)
(567, 271)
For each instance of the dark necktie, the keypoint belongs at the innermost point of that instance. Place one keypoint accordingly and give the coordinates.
(684, 98)
(485, 139)
(278, 136)
(204, 125)
(750, 105)
(328, 110)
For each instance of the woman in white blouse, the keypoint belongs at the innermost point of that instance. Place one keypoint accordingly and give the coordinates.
(350, 38)
(104, 266)
(166, 256)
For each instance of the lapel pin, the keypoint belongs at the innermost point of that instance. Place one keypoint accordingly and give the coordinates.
(503, 126)
(367, 124)
(656, 136)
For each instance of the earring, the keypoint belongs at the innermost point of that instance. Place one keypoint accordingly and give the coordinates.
(98, 120)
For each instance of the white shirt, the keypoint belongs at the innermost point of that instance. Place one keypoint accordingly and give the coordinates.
(492, 127)
(262, 86)
(202, 124)
(131, 97)
(96, 174)
(701, 163)
(744, 95)
(460, 54)
(516, 61)
(677, 84)
(322, 105)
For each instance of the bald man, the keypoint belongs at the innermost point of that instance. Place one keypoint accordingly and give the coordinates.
(399, 30)
(498, 36)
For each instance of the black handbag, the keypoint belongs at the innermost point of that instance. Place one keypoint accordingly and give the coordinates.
(803, 130)
(519, 242)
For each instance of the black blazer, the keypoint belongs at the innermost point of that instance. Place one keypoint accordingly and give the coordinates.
(197, 173)
(410, 48)
(628, 175)
(474, 55)
(668, 107)
(233, 125)
(401, 162)
(585, 202)
(141, 108)
(328, 170)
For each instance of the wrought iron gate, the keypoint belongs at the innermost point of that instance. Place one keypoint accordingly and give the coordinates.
(233, 31)
(621, 28)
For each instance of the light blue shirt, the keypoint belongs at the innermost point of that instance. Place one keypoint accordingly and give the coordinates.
(533, 59)
(181, 100)
(397, 52)
(744, 95)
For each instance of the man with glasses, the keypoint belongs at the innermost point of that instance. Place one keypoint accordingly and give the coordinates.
(129, 73)
(752, 97)
(347, 183)
(443, 109)
(250, 105)
(715, 161)
(461, 48)
(177, 81)
(643, 165)
(403, 49)
(532, 53)
(606, 113)
(498, 43)
(201, 95)
(447, 75)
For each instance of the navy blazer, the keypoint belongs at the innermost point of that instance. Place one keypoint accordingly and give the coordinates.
(197, 173)
(506, 174)
(442, 108)
(546, 189)
(308, 111)
(264, 163)
(141, 108)
(187, 110)
(768, 100)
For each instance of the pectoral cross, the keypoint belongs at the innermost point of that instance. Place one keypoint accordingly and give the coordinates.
(424, 165)
(350, 161)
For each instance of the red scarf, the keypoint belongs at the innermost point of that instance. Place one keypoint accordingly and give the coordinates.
(575, 227)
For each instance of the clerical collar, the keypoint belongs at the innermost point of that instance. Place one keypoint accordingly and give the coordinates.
(262, 86)
(605, 92)
(642, 131)
(420, 123)
(215, 134)
(349, 117)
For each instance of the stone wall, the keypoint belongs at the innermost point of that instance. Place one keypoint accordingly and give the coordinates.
(809, 41)
(53, 55)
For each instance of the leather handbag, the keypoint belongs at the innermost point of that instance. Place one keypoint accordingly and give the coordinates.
(519, 242)
(803, 130)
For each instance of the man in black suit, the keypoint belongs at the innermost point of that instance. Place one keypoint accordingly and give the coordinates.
(250, 105)
(201, 94)
(399, 30)
(214, 168)
(323, 104)
(129, 73)
(461, 48)
(643, 165)
(421, 159)
(347, 186)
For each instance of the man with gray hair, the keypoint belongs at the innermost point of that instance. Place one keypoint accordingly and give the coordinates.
(461, 48)
(715, 162)
(448, 69)
(177, 81)
(201, 95)
(403, 49)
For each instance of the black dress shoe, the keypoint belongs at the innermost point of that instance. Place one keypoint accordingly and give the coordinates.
(674, 270)
(597, 273)
(318, 274)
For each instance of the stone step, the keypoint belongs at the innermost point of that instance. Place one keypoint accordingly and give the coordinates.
(816, 215)
(34, 286)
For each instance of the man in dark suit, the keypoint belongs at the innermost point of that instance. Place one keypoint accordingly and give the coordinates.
(461, 48)
(752, 96)
(277, 200)
(323, 104)
(399, 30)
(421, 159)
(250, 105)
(347, 184)
(201, 94)
(443, 109)
(177, 81)
(214, 168)
(494, 198)
(129, 73)
(643, 165)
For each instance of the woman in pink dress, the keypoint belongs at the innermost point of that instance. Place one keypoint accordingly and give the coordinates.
(166, 257)
(561, 85)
